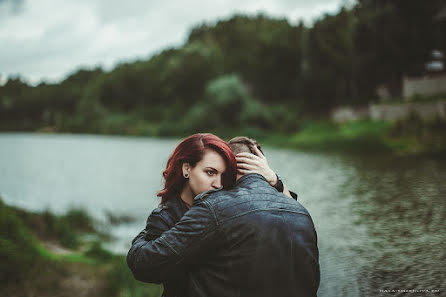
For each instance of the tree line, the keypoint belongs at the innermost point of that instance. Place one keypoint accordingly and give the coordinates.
(250, 71)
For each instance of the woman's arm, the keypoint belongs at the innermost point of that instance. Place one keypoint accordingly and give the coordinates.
(157, 223)
(160, 259)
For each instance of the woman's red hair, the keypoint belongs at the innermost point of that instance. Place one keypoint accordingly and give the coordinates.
(191, 150)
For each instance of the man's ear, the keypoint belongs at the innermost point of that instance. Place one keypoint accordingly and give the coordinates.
(186, 168)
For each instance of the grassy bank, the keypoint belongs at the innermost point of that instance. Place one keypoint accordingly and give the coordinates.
(411, 135)
(46, 255)
(350, 137)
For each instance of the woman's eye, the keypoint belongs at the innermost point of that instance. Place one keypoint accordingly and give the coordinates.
(210, 172)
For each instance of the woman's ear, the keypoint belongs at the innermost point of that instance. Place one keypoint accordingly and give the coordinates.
(186, 168)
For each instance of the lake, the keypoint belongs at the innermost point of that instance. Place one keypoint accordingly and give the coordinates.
(380, 219)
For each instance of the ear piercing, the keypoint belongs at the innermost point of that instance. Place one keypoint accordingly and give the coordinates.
(186, 175)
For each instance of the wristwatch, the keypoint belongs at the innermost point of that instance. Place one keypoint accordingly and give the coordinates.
(279, 184)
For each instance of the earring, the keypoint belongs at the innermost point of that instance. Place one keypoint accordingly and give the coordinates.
(186, 175)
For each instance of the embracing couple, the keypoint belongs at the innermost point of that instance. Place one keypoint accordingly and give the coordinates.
(226, 226)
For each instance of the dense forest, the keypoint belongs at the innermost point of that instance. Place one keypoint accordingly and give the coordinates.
(256, 72)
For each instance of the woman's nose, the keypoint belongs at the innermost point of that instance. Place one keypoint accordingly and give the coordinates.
(217, 183)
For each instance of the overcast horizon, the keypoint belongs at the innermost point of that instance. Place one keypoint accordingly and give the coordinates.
(46, 40)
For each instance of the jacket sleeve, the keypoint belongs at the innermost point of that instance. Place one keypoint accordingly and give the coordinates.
(156, 224)
(159, 259)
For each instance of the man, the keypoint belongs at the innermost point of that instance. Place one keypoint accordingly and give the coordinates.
(249, 241)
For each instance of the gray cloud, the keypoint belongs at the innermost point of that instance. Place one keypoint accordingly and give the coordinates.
(50, 38)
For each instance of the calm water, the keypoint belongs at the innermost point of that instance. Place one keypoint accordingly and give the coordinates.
(380, 219)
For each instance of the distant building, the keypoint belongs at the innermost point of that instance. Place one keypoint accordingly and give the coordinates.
(424, 85)
(433, 81)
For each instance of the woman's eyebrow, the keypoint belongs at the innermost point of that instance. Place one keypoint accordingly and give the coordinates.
(212, 168)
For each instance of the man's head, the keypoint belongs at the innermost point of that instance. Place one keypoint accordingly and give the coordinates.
(243, 144)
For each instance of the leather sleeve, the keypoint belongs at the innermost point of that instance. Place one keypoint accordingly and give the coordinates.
(157, 223)
(159, 259)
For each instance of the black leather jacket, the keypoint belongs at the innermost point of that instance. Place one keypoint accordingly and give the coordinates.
(249, 241)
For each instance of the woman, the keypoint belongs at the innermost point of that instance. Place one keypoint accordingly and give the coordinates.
(200, 163)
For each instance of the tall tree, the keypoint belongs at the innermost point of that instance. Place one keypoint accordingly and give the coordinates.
(392, 39)
(329, 71)
(265, 52)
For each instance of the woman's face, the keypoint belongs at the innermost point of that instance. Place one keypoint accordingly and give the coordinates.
(206, 174)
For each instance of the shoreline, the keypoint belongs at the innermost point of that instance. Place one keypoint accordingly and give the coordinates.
(398, 138)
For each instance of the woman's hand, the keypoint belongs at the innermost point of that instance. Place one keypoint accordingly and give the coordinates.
(255, 163)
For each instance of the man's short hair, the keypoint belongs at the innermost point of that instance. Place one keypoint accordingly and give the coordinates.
(243, 144)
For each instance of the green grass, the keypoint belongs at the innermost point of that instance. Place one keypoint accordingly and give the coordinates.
(21, 232)
(96, 251)
(25, 260)
(78, 257)
(121, 280)
(413, 135)
(364, 136)
(18, 246)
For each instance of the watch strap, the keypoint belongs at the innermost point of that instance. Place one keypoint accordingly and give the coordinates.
(279, 184)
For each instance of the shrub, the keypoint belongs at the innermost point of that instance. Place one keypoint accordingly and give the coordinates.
(79, 219)
(96, 251)
(18, 247)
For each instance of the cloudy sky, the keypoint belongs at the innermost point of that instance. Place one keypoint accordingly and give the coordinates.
(48, 39)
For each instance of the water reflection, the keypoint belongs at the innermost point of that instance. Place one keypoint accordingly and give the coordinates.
(380, 220)
(401, 202)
